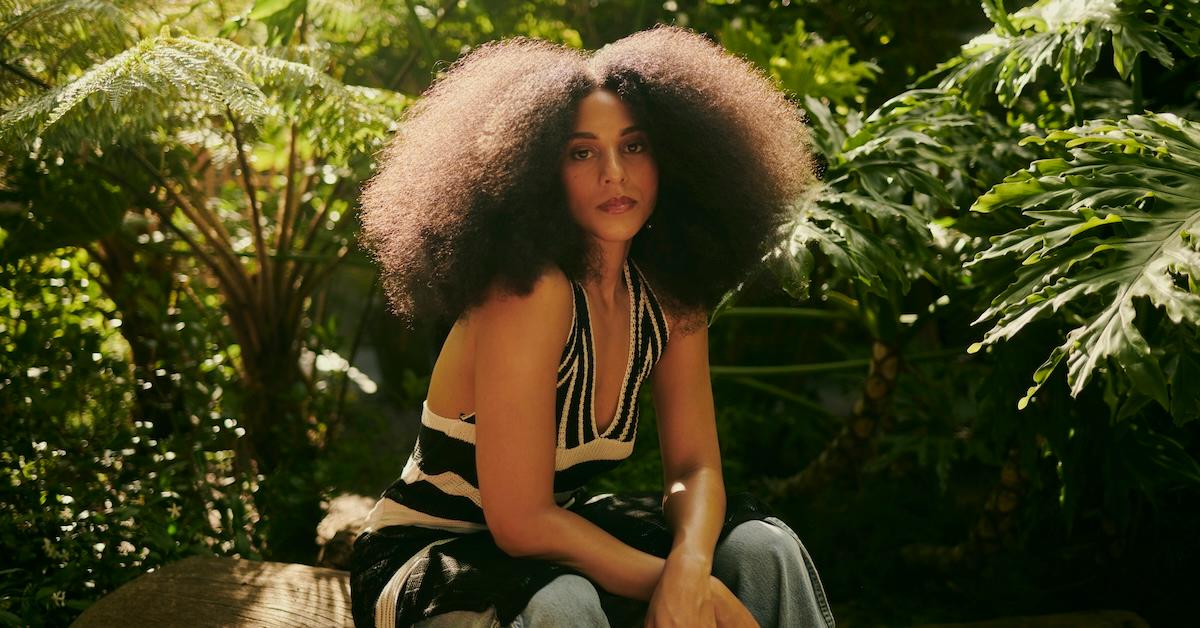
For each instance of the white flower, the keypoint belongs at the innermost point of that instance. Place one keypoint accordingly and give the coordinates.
(59, 598)
(174, 509)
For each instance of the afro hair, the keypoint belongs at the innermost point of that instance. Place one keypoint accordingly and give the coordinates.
(468, 193)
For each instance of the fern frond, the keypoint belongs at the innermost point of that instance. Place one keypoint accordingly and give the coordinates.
(20, 16)
(177, 81)
(52, 39)
(154, 64)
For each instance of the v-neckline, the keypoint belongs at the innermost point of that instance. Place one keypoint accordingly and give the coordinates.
(628, 362)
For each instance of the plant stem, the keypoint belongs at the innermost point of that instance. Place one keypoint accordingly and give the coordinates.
(784, 312)
(820, 367)
(1074, 107)
(260, 247)
(358, 335)
(780, 392)
(1138, 105)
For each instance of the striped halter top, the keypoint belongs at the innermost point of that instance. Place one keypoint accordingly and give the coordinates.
(439, 488)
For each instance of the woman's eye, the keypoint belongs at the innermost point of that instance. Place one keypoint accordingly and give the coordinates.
(580, 154)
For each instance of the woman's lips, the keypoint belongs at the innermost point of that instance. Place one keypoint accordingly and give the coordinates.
(618, 208)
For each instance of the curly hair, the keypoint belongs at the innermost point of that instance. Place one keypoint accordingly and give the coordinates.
(468, 193)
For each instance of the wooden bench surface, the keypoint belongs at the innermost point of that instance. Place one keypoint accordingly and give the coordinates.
(211, 591)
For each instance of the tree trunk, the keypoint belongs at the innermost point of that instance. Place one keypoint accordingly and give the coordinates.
(995, 529)
(855, 442)
(143, 307)
(281, 444)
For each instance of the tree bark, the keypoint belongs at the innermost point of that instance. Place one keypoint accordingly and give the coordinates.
(994, 530)
(855, 443)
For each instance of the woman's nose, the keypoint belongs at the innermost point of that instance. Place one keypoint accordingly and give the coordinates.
(613, 170)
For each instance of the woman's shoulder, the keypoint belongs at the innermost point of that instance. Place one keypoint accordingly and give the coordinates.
(547, 306)
(551, 286)
(681, 324)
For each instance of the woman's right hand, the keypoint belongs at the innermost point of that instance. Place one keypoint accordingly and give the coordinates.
(727, 608)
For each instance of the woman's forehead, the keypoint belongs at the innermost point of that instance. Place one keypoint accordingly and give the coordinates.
(603, 111)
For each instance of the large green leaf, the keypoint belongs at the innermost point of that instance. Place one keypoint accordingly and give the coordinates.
(1116, 219)
(1065, 37)
(886, 179)
(280, 16)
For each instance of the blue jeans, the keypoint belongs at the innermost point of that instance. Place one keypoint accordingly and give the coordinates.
(762, 562)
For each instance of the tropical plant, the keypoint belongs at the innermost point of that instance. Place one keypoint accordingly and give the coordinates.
(1114, 223)
(180, 131)
(802, 63)
(88, 502)
(891, 180)
(1064, 38)
(1060, 233)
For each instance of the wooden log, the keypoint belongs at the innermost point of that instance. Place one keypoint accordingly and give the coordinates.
(213, 591)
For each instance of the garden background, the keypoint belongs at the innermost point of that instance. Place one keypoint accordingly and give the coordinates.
(967, 376)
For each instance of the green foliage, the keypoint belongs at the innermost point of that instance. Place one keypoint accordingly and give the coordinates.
(1066, 36)
(60, 219)
(179, 82)
(224, 151)
(43, 38)
(887, 178)
(131, 122)
(89, 497)
(944, 427)
(1114, 219)
(801, 62)
(280, 16)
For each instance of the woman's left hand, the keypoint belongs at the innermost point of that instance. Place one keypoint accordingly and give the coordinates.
(683, 597)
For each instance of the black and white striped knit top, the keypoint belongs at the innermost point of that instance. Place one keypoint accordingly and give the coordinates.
(439, 488)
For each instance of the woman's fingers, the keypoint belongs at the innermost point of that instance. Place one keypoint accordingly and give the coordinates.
(728, 610)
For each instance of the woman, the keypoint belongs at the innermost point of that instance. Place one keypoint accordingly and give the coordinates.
(578, 215)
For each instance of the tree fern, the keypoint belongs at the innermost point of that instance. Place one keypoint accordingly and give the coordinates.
(1114, 220)
(185, 79)
(41, 41)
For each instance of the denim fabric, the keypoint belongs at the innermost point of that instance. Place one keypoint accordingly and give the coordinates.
(769, 570)
(762, 562)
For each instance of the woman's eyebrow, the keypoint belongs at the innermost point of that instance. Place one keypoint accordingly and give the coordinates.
(592, 136)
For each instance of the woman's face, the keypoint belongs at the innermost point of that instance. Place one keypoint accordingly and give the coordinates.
(608, 156)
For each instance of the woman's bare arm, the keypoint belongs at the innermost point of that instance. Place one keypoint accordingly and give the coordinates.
(693, 483)
(693, 489)
(519, 341)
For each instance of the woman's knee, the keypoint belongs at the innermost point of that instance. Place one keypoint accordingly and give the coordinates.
(757, 547)
(569, 600)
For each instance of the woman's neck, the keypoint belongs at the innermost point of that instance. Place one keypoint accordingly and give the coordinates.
(609, 288)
